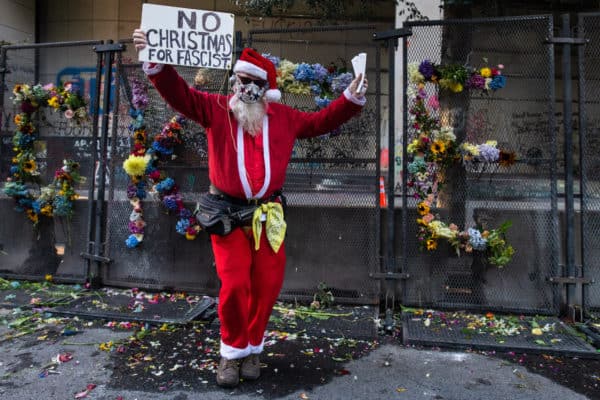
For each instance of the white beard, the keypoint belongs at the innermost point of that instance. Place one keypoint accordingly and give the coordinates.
(249, 116)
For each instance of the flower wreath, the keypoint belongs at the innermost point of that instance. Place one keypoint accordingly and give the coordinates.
(434, 148)
(56, 198)
(142, 168)
(324, 82)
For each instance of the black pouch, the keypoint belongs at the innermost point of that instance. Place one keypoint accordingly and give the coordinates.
(217, 215)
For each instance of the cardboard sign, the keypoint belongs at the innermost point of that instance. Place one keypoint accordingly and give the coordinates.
(183, 36)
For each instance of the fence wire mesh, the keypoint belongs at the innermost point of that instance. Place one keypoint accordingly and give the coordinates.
(165, 259)
(589, 145)
(333, 177)
(53, 247)
(520, 118)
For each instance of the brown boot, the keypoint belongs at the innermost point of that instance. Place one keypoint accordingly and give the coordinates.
(228, 373)
(250, 369)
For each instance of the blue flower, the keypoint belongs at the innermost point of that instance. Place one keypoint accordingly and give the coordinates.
(476, 240)
(161, 149)
(322, 102)
(185, 213)
(62, 206)
(131, 242)
(418, 165)
(304, 73)
(274, 59)
(341, 82)
(182, 226)
(426, 69)
(320, 73)
(498, 82)
(35, 205)
(14, 169)
(170, 202)
(165, 185)
(315, 89)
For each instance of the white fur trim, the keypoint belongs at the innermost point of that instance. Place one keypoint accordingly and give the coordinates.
(152, 69)
(258, 348)
(273, 95)
(360, 101)
(242, 163)
(232, 353)
(249, 68)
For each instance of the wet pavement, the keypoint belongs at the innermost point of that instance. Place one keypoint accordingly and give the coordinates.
(337, 353)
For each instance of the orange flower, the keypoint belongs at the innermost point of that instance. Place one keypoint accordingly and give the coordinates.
(489, 315)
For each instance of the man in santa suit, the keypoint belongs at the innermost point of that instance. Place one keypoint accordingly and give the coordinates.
(250, 141)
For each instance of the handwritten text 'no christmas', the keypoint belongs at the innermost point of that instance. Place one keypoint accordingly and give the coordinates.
(182, 36)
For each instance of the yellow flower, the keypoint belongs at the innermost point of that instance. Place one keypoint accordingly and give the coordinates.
(423, 208)
(29, 166)
(18, 119)
(53, 102)
(456, 87)
(189, 236)
(485, 72)
(431, 244)
(136, 165)
(46, 210)
(537, 331)
(48, 278)
(32, 216)
(438, 147)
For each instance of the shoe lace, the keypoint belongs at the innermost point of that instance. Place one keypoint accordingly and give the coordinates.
(230, 364)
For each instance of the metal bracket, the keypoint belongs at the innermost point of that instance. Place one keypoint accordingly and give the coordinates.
(570, 280)
(393, 34)
(566, 40)
(102, 48)
(93, 257)
(388, 275)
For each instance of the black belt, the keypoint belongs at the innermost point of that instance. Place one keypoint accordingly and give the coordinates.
(277, 195)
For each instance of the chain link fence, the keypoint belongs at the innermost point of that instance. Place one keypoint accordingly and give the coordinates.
(520, 118)
(589, 145)
(332, 180)
(54, 246)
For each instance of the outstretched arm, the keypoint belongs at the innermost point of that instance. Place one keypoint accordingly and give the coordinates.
(191, 103)
(340, 110)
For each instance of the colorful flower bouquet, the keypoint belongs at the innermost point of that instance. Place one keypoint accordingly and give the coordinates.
(456, 77)
(434, 148)
(324, 82)
(142, 166)
(57, 198)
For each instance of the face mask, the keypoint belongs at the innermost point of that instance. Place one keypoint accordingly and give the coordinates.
(250, 92)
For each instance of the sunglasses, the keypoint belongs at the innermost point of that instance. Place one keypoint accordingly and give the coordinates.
(257, 82)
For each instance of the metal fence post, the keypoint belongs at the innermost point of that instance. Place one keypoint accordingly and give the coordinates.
(106, 53)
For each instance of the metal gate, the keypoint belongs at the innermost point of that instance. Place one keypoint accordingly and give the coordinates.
(55, 245)
(588, 30)
(520, 117)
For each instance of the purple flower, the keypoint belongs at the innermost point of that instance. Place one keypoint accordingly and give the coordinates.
(131, 190)
(170, 201)
(426, 69)
(476, 81)
(319, 73)
(341, 82)
(488, 153)
(133, 228)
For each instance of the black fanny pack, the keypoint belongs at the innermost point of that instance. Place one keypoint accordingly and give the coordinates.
(219, 214)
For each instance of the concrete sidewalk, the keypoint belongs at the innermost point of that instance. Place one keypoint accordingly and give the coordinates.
(381, 371)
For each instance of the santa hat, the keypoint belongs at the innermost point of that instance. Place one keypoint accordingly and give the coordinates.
(254, 64)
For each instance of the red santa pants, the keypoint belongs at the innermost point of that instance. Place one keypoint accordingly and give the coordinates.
(250, 284)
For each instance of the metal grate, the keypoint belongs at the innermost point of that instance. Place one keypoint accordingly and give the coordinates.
(561, 340)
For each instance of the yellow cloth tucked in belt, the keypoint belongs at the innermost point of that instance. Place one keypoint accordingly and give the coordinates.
(275, 225)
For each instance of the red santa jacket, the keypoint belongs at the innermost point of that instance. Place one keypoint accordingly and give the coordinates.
(239, 164)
